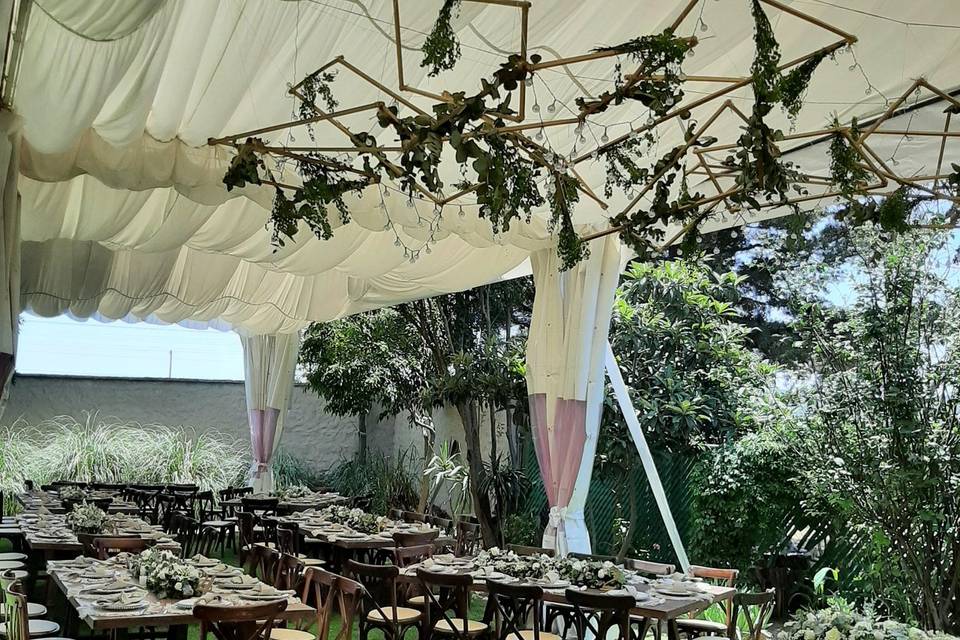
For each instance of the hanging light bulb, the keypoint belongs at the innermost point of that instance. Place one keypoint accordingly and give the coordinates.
(852, 67)
(427, 249)
(461, 212)
(535, 108)
(867, 91)
(538, 135)
(529, 81)
(410, 202)
(703, 26)
(552, 106)
(583, 138)
(604, 137)
(396, 242)
(734, 234)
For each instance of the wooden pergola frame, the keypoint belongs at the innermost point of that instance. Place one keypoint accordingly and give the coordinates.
(714, 174)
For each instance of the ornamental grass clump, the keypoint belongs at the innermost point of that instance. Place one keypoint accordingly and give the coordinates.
(108, 450)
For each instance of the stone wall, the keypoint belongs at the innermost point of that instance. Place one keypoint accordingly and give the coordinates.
(310, 433)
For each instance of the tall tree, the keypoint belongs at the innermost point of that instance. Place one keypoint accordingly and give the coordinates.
(362, 362)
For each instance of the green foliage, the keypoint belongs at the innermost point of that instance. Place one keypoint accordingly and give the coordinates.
(743, 493)
(563, 196)
(387, 482)
(845, 168)
(292, 471)
(441, 49)
(245, 166)
(693, 379)
(314, 86)
(63, 448)
(321, 188)
(841, 621)
(883, 442)
(362, 360)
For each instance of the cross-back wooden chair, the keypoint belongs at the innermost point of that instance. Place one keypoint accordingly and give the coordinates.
(414, 539)
(17, 624)
(378, 606)
(650, 568)
(524, 550)
(104, 547)
(445, 594)
(699, 626)
(413, 516)
(287, 571)
(756, 619)
(513, 605)
(254, 622)
(206, 542)
(288, 541)
(596, 614)
(468, 538)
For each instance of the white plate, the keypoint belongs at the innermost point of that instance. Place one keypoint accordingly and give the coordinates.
(232, 586)
(121, 606)
(186, 604)
(673, 590)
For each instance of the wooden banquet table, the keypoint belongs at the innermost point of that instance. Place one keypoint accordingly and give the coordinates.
(35, 500)
(157, 612)
(50, 534)
(318, 501)
(665, 609)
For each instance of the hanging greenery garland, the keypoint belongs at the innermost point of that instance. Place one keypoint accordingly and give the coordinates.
(846, 172)
(441, 49)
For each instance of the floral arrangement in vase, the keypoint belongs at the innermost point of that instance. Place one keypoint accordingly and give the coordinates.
(87, 518)
(165, 574)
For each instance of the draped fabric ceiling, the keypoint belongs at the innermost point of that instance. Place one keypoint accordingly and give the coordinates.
(124, 213)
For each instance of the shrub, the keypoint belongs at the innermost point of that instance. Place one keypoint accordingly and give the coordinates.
(385, 481)
(839, 621)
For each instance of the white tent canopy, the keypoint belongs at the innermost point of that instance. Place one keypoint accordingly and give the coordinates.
(124, 211)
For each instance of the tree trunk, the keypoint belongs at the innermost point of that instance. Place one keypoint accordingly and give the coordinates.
(362, 433)
(481, 501)
(493, 430)
(632, 529)
(429, 437)
(513, 440)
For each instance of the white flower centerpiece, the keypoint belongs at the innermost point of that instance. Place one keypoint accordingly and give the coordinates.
(585, 573)
(295, 492)
(165, 574)
(357, 519)
(87, 518)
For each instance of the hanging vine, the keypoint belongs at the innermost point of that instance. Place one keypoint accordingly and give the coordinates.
(847, 173)
(441, 49)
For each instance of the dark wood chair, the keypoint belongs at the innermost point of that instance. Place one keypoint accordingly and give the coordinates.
(650, 568)
(260, 506)
(395, 514)
(288, 541)
(413, 516)
(110, 546)
(254, 622)
(287, 571)
(755, 620)
(592, 557)
(446, 594)
(206, 542)
(595, 614)
(700, 627)
(414, 539)
(523, 550)
(318, 590)
(513, 606)
(469, 540)
(378, 607)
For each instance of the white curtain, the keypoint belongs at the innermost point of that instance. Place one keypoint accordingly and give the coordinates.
(565, 380)
(9, 249)
(269, 363)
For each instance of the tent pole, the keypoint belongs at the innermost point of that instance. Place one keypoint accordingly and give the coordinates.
(630, 415)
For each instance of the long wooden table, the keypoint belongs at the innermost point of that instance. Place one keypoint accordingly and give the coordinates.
(35, 500)
(157, 613)
(317, 501)
(659, 608)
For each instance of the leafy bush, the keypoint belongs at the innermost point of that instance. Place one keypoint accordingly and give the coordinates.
(385, 481)
(63, 448)
(742, 493)
(839, 621)
(291, 471)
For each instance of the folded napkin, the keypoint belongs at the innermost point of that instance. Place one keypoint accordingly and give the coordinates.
(132, 597)
(243, 579)
(116, 584)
